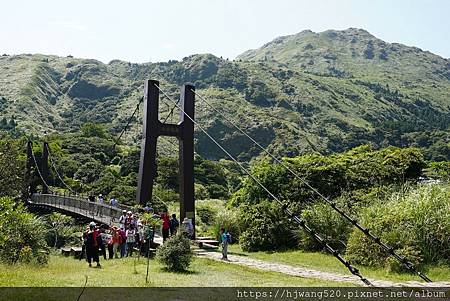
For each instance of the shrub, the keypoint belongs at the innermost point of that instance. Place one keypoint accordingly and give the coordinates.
(164, 196)
(415, 222)
(439, 170)
(206, 214)
(201, 193)
(61, 230)
(327, 223)
(359, 168)
(22, 235)
(409, 252)
(265, 227)
(228, 219)
(93, 130)
(175, 254)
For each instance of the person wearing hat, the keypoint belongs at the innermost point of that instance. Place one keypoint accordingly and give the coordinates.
(116, 240)
(113, 202)
(187, 227)
(93, 242)
(129, 220)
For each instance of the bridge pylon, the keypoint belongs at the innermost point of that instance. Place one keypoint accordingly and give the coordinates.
(183, 131)
(44, 168)
(31, 186)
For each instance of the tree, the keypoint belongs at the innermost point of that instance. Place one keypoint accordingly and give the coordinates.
(89, 172)
(22, 235)
(12, 166)
(93, 130)
(59, 224)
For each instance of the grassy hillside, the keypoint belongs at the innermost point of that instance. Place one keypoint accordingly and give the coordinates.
(307, 92)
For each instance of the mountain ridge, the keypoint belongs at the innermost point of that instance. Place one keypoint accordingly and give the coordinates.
(310, 91)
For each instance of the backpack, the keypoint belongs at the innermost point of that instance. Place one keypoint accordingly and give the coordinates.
(229, 240)
(174, 223)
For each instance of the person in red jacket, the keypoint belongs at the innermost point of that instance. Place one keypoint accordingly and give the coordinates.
(166, 225)
(123, 242)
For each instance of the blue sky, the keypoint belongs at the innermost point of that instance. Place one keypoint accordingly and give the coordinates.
(159, 30)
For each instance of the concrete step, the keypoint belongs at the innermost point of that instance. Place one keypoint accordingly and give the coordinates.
(205, 238)
(201, 243)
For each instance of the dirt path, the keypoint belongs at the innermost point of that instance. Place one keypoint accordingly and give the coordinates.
(309, 273)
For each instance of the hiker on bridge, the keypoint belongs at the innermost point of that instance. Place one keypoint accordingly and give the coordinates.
(93, 242)
(113, 202)
(101, 201)
(91, 199)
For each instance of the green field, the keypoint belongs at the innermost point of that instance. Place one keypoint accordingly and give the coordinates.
(325, 262)
(68, 272)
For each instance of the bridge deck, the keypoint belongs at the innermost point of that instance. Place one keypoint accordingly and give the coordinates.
(100, 213)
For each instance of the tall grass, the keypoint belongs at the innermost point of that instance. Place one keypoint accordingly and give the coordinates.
(416, 222)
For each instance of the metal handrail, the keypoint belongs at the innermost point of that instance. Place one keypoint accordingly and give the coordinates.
(96, 211)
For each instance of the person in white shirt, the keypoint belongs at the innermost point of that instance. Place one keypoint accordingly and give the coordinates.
(123, 219)
(131, 239)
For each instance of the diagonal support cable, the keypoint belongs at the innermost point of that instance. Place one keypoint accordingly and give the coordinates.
(39, 171)
(56, 170)
(294, 216)
(128, 122)
(353, 221)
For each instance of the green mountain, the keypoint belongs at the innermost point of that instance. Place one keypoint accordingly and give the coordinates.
(306, 92)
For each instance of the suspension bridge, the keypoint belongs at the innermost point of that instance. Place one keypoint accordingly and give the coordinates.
(153, 128)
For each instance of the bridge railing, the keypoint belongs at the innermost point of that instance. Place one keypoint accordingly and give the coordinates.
(79, 205)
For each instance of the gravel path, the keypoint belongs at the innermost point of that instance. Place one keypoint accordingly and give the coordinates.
(310, 273)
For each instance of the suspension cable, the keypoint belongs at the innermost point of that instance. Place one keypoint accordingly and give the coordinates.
(171, 110)
(56, 171)
(39, 171)
(353, 221)
(120, 136)
(294, 216)
(128, 122)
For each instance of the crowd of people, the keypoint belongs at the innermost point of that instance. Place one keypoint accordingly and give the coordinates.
(133, 234)
(130, 235)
